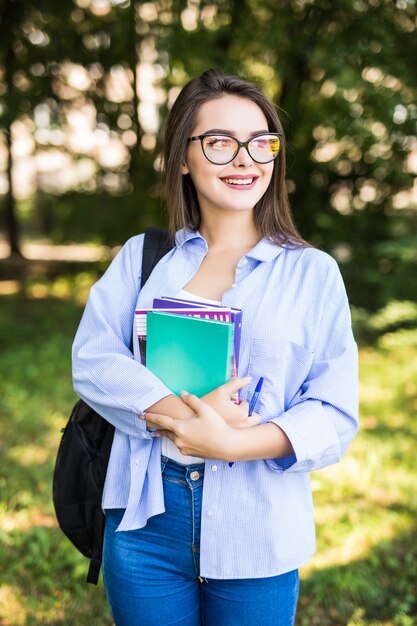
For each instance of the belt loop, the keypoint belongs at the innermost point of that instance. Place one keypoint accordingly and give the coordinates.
(164, 461)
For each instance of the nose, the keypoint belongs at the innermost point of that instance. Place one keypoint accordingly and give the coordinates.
(243, 158)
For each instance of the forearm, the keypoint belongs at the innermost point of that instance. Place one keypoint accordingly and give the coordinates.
(266, 441)
(207, 435)
(218, 399)
(173, 406)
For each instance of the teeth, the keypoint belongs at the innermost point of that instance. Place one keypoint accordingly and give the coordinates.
(238, 181)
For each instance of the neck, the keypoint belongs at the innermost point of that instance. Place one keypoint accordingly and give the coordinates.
(231, 232)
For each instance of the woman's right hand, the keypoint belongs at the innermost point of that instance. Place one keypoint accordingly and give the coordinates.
(235, 415)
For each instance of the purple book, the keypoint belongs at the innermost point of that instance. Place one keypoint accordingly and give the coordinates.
(210, 312)
(165, 302)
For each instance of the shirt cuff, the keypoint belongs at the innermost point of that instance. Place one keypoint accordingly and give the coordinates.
(146, 401)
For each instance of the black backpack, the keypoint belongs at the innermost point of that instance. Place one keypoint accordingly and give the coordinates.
(84, 452)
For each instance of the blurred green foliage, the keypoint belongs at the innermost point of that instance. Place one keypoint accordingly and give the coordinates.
(343, 75)
(395, 316)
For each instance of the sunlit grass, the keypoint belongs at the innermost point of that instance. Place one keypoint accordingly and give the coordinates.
(366, 507)
(43, 577)
(364, 572)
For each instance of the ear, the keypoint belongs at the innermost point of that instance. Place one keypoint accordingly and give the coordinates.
(184, 169)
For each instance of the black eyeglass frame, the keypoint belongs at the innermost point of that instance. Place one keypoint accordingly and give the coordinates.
(240, 144)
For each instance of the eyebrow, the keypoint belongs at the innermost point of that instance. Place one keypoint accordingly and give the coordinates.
(222, 131)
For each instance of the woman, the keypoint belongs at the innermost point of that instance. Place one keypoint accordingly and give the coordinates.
(227, 553)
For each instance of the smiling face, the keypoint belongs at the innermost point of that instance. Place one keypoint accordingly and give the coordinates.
(238, 185)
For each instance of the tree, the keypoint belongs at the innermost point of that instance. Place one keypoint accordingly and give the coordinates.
(342, 73)
(344, 77)
(26, 51)
(57, 59)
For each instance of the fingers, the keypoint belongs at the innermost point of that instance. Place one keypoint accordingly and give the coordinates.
(193, 401)
(234, 385)
(165, 433)
(162, 422)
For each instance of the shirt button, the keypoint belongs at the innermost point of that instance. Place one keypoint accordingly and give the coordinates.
(214, 468)
(194, 475)
(210, 513)
(244, 261)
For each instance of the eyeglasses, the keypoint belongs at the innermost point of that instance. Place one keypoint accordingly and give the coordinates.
(221, 149)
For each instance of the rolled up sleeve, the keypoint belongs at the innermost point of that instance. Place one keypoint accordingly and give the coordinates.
(322, 419)
(105, 373)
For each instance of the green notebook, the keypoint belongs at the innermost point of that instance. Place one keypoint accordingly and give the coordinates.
(189, 353)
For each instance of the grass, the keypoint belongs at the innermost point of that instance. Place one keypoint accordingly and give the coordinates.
(364, 573)
(365, 569)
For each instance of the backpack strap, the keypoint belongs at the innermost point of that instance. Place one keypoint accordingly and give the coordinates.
(156, 244)
(98, 541)
(99, 520)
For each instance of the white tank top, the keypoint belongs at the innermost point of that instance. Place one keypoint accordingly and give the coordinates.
(169, 448)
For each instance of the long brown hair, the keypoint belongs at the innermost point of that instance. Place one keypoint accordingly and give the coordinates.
(272, 214)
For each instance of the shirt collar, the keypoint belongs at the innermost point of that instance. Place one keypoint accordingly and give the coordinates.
(186, 234)
(264, 250)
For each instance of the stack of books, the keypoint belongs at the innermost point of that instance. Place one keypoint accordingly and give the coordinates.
(189, 345)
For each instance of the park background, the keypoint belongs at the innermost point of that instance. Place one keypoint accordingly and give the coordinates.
(84, 88)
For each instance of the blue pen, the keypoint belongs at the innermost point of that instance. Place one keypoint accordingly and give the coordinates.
(255, 396)
(253, 402)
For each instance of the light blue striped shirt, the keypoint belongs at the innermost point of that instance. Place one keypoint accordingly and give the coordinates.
(257, 516)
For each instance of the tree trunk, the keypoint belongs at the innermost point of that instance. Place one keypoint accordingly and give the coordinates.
(133, 60)
(12, 226)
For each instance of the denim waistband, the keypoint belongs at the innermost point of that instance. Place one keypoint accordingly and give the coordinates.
(179, 470)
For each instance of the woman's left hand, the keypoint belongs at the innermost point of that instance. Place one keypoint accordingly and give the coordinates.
(206, 434)
(235, 414)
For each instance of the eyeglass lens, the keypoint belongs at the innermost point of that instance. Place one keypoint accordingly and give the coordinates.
(221, 149)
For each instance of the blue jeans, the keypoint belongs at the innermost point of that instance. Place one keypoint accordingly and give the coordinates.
(151, 575)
